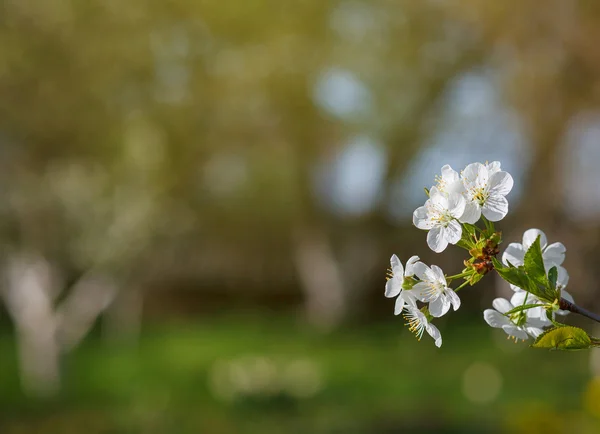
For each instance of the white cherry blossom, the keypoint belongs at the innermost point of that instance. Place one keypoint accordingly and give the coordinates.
(520, 296)
(493, 167)
(394, 285)
(518, 325)
(433, 289)
(418, 323)
(486, 187)
(439, 216)
(450, 181)
(553, 254)
(539, 313)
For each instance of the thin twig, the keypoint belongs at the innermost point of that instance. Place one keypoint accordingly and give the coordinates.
(572, 307)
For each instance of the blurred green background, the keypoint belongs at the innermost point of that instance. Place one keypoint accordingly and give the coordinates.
(200, 199)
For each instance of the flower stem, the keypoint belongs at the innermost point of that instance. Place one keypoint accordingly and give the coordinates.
(572, 307)
(459, 276)
(488, 225)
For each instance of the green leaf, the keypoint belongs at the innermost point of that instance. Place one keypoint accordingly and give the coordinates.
(516, 276)
(426, 191)
(470, 229)
(553, 277)
(566, 338)
(468, 238)
(464, 243)
(534, 263)
(521, 308)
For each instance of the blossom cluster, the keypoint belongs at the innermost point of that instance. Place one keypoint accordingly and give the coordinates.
(426, 284)
(531, 322)
(456, 204)
(463, 198)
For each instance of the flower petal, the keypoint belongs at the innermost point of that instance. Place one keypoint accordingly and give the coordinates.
(475, 175)
(518, 298)
(502, 305)
(423, 272)
(538, 322)
(563, 277)
(436, 239)
(397, 267)
(500, 184)
(399, 306)
(513, 330)
(434, 333)
(472, 213)
(439, 307)
(554, 255)
(493, 167)
(516, 288)
(409, 272)
(515, 254)
(422, 292)
(453, 232)
(449, 175)
(438, 274)
(534, 331)
(393, 287)
(421, 218)
(494, 318)
(456, 204)
(438, 199)
(495, 208)
(453, 298)
(531, 235)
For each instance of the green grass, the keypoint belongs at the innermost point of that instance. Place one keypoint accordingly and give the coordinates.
(360, 380)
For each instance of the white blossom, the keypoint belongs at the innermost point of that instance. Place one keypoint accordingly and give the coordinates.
(394, 285)
(418, 323)
(520, 296)
(449, 181)
(539, 313)
(485, 189)
(517, 325)
(553, 256)
(493, 167)
(433, 289)
(439, 216)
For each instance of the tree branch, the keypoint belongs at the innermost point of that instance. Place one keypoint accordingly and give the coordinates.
(572, 307)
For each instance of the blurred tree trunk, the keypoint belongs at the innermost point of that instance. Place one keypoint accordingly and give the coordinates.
(89, 297)
(29, 297)
(43, 331)
(320, 276)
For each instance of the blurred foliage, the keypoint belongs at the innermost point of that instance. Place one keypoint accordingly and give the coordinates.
(285, 378)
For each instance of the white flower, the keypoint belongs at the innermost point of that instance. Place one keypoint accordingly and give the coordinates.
(393, 287)
(486, 186)
(417, 323)
(449, 181)
(493, 167)
(517, 325)
(519, 298)
(439, 216)
(433, 289)
(539, 313)
(553, 254)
